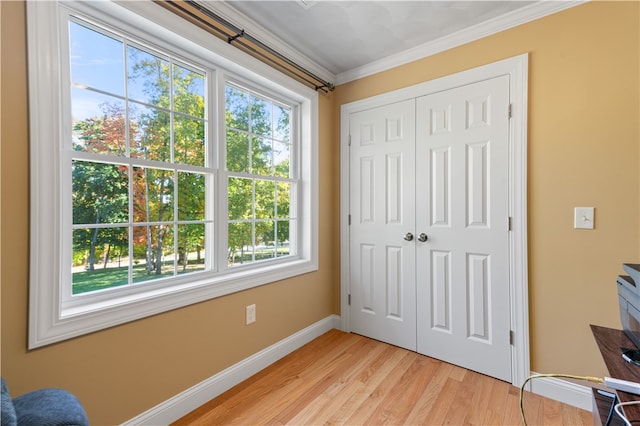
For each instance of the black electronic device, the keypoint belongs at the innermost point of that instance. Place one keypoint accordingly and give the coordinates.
(629, 302)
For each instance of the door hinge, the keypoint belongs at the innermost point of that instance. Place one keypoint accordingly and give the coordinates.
(349, 300)
(349, 220)
(512, 337)
(349, 140)
(509, 111)
(510, 223)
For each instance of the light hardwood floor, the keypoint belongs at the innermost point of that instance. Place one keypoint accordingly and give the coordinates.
(342, 378)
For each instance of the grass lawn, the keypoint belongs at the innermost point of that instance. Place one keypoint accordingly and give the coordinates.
(104, 278)
(110, 277)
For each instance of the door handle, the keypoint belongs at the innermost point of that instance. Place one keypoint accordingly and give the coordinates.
(423, 237)
(408, 236)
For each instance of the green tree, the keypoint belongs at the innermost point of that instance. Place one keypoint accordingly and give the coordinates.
(99, 190)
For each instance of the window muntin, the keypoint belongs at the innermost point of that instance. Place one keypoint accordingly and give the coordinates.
(138, 163)
(261, 187)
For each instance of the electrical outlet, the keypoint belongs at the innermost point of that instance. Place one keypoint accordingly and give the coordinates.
(250, 314)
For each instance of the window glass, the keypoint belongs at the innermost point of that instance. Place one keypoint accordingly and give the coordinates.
(90, 247)
(148, 78)
(127, 214)
(258, 150)
(96, 60)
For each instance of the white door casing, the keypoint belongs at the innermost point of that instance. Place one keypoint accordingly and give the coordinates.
(462, 206)
(382, 213)
(516, 70)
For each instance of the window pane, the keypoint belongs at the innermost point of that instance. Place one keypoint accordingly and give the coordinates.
(281, 159)
(96, 60)
(191, 196)
(261, 117)
(148, 78)
(153, 252)
(281, 123)
(282, 242)
(188, 91)
(240, 247)
(99, 193)
(152, 195)
(237, 151)
(98, 123)
(265, 240)
(261, 156)
(191, 248)
(150, 133)
(189, 141)
(283, 200)
(265, 199)
(240, 196)
(237, 108)
(100, 259)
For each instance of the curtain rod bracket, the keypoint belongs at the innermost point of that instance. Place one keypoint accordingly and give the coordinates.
(328, 87)
(233, 38)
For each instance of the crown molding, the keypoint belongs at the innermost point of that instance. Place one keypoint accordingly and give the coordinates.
(512, 19)
(259, 32)
(509, 20)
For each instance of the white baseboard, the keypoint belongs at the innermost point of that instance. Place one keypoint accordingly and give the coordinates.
(564, 391)
(187, 401)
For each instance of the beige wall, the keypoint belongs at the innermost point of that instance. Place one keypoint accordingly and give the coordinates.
(121, 372)
(583, 150)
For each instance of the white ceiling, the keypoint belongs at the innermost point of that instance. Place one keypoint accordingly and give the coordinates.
(343, 38)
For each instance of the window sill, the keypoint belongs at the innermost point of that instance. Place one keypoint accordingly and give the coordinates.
(91, 317)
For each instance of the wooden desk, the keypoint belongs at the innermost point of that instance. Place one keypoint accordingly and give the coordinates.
(609, 342)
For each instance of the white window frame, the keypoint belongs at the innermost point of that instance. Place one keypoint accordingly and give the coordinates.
(52, 321)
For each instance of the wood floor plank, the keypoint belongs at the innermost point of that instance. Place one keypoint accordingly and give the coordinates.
(326, 379)
(482, 386)
(280, 399)
(497, 406)
(396, 406)
(332, 400)
(512, 409)
(363, 413)
(367, 381)
(425, 402)
(346, 379)
(440, 410)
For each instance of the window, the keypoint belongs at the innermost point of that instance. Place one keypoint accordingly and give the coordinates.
(167, 172)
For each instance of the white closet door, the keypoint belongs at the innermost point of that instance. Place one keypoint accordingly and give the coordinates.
(382, 176)
(462, 206)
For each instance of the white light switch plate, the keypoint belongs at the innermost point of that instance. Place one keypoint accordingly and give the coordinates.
(583, 218)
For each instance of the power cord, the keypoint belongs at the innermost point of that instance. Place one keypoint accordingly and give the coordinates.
(566, 376)
(618, 409)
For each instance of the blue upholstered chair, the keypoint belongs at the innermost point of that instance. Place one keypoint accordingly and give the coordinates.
(44, 407)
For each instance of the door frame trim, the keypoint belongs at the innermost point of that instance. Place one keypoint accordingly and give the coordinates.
(517, 68)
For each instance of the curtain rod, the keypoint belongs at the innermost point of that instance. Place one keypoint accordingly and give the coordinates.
(238, 37)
